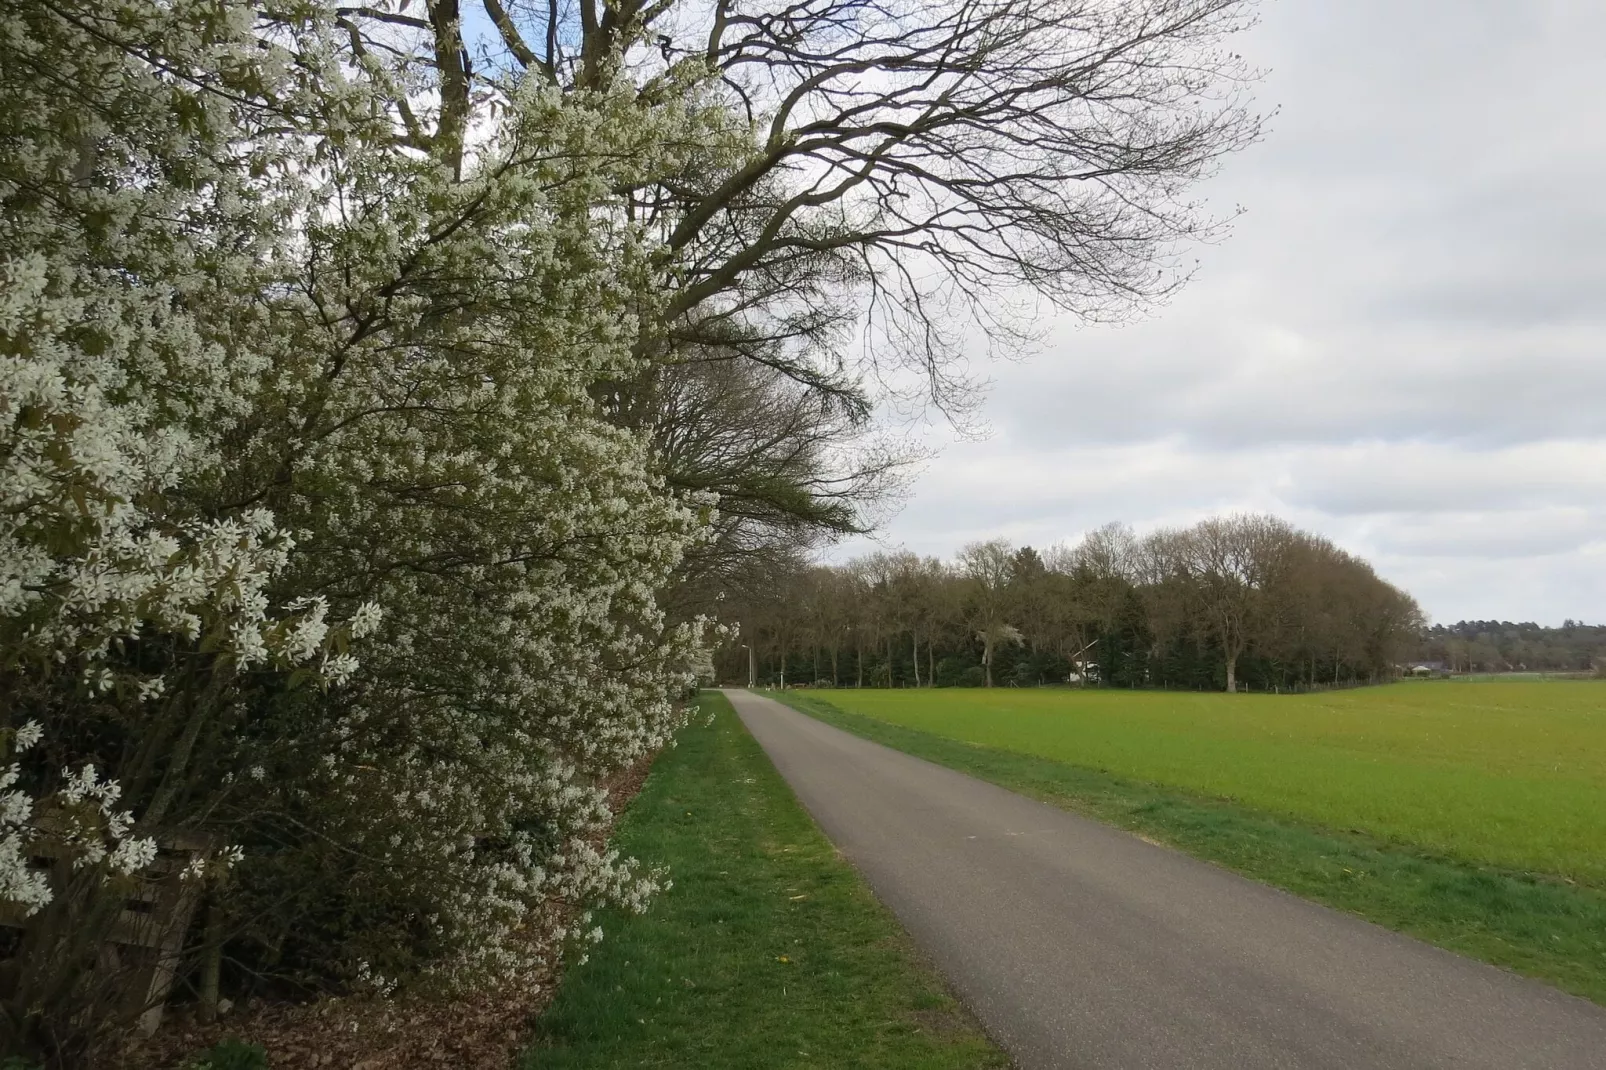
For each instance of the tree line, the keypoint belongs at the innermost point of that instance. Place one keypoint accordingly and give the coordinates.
(1232, 602)
(1504, 646)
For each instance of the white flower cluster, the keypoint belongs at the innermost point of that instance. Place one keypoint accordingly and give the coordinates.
(19, 882)
(138, 221)
(89, 828)
(215, 864)
(104, 836)
(323, 388)
(376, 983)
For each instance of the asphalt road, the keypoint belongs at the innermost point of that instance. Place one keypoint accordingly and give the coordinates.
(1078, 945)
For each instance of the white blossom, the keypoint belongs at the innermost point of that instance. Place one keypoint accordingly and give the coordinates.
(365, 621)
(132, 855)
(28, 735)
(182, 347)
(94, 832)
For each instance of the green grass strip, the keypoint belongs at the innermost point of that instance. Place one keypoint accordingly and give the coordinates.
(769, 951)
(1532, 923)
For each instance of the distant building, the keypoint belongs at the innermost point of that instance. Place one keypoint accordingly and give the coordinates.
(1427, 668)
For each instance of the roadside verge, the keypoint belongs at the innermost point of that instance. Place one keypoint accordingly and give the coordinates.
(768, 951)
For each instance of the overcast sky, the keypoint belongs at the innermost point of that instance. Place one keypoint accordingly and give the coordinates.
(1401, 346)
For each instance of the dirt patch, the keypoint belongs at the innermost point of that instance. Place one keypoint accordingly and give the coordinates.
(480, 1032)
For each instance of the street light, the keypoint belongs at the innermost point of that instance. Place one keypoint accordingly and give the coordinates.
(752, 667)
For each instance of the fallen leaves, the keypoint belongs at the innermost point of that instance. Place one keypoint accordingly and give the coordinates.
(484, 1030)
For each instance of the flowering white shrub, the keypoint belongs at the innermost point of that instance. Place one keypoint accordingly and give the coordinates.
(313, 534)
(117, 379)
(139, 219)
(457, 472)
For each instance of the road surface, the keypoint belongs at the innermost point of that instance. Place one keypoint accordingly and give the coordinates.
(1078, 945)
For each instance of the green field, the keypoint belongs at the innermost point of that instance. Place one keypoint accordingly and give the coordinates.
(1508, 774)
(1469, 816)
(769, 953)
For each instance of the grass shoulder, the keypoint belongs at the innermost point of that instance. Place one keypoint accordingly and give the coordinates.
(768, 951)
(1535, 924)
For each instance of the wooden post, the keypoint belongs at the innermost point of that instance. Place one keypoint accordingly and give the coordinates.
(212, 962)
(147, 936)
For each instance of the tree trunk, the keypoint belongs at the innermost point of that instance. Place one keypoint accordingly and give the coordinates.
(752, 663)
(1232, 673)
(836, 680)
(931, 664)
(987, 660)
(915, 637)
(889, 660)
(858, 659)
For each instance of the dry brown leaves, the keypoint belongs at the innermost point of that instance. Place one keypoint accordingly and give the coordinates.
(485, 1031)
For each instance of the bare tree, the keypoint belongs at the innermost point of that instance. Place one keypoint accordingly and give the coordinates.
(915, 604)
(1109, 560)
(791, 469)
(1231, 562)
(987, 566)
(909, 158)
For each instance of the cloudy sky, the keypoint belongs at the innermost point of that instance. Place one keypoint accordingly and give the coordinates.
(1401, 346)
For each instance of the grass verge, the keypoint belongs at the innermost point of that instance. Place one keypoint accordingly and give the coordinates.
(1537, 925)
(769, 951)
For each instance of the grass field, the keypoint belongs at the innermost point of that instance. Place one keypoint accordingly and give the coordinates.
(768, 952)
(1275, 788)
(1509, 774)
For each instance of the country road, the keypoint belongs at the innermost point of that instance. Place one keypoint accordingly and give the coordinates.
(1078, 945)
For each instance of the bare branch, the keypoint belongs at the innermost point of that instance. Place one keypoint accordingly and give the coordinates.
(511, 36)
